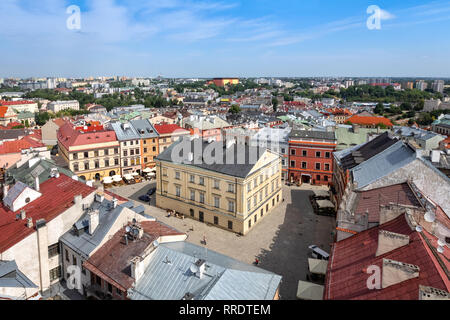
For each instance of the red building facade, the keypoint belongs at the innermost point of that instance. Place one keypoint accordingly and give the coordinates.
(311, 157)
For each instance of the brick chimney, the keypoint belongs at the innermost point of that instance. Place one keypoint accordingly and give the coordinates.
(94, 220)
(429, 293)
(395, 272)
(389, 241)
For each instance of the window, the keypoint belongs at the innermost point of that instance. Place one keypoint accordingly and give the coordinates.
(317, 166)
(201, 216)
(304, 165)
(318, 154)
(55, 273)
(293, 152)
(145, 150)
(76, 167)
(154, 149)
(231, 206)
(327, 167)
(75, 156)
(292, 164)
(191, 211)
(165, 172)
(256, 218)
(326, 178)
(327, 155)
(192, 178)
(118, 292)
(96, 153)
(109, 288)
(132, 152)
(273, 186)
(202, 181)
(125, 153)
(283, 162)
(217, 184)
(145, 142)
(262, 212)
(249, 204)
(260, 196)
(267, 191)
(97, 164)
(74, 260)
(202, 197)
(67, 255)
(86, 166)
(131, 143)
(305, 153)
(177, 175)
(255, 201)
(116, 162)
(255, 183)
(230, 225)
(145, 160)
(178, 191)
(125, 163)
(318, 178)
(283, 150)
(249, 187)
(86, 155)
(231, 188)
(106, 162)
(53, 250)
(192, 195)
(216, 202)
(116, 150)
(216, 220)
(249, 224)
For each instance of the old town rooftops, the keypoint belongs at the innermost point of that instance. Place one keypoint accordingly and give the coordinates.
(350, 259)
(45, 207)
(69, 137)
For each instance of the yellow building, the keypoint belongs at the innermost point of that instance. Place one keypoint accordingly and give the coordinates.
(90, 155)
(234, 196)
(149, 140)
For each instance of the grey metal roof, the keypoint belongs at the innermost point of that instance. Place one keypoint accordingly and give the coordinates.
(13, 193)
(144, 128)
(242, 157)
(312, 134)
(12, 277)
(168, 276)
(86, 243)
(125, 131)
(41, 168)
(387, 161)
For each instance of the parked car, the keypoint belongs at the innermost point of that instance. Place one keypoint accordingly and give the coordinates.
(151, 191)
(145, 198)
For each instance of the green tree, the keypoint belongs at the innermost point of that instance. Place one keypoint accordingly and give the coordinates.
(235, 109)
(275, 104)
(379, 109)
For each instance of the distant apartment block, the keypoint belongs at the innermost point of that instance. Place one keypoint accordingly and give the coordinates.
(58, 106)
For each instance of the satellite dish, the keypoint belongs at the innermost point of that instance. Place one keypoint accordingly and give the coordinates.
(155, 243)
(419, 229)
(441, 243)
(135, 232)
(193, 268)
(127, 229)
(440, 249)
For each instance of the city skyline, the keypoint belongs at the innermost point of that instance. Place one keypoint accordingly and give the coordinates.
(195, 39)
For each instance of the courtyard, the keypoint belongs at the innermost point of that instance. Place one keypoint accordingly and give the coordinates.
(280, 241)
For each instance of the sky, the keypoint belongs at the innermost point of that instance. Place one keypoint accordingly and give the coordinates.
(239, 38)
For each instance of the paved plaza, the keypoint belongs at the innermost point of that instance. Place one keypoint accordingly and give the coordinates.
(280, 241)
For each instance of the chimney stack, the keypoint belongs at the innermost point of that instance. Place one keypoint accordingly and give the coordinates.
(30, 223)
(395, 272)
(5, 190)
(389, 241)
(94, 221)
(36, 183)
(136, 268)
(23, 215)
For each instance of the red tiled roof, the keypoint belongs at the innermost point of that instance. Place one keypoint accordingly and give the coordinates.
(46, 207)
(346, 276)
(69, 137)
(59, 122)
(11, 125)
(3, 110)
(370, 120)
(371, 200)
(19, 145)
(168, 128)
(15, 103)
(111, 262)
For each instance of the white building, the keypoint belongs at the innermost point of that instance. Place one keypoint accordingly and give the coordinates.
(438, 86)
(58, 106)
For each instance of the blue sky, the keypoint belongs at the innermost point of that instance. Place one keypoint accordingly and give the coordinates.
(245, 38)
